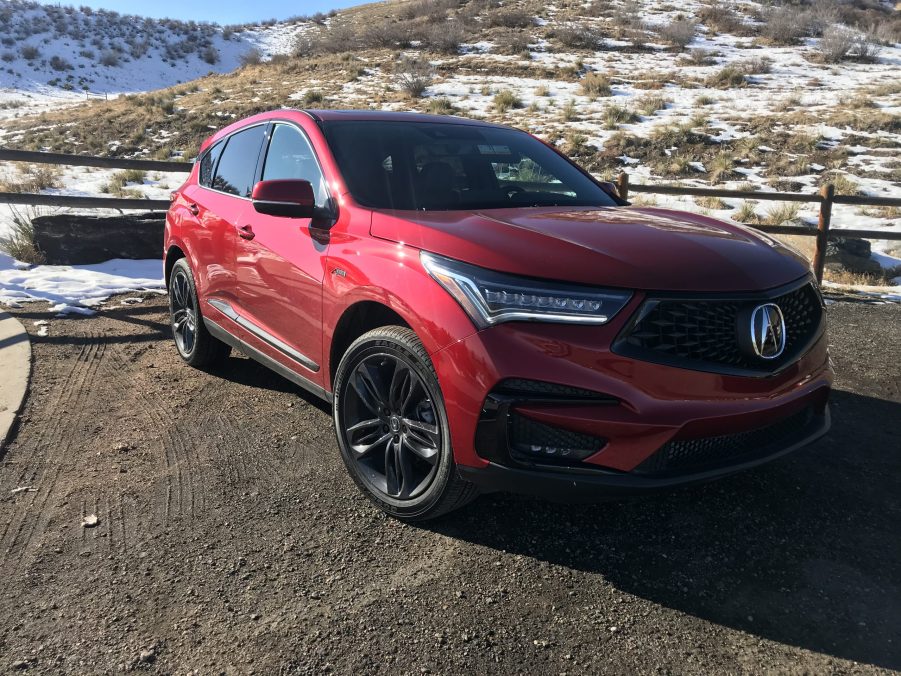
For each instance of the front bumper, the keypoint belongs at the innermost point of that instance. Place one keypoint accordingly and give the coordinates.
(642, 411)
(571, 484)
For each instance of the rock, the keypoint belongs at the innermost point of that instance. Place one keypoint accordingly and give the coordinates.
(851, 254)
(147, 656)
(21, 665)
(90, 521)
(74, 239)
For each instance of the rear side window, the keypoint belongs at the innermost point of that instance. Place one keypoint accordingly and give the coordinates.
(291, 156)
(237, 166)
(208, 164)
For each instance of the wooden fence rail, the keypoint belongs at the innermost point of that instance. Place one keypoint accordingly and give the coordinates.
(826, 197)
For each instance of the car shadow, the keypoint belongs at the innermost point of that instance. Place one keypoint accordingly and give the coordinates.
(804, 551)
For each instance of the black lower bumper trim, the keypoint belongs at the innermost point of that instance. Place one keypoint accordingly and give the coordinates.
(597, 485)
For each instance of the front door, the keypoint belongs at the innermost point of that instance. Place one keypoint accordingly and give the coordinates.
(280, 261)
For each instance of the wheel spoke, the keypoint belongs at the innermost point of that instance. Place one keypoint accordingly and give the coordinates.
(363, 449)
(426, 433)
(364, 424)
(401, 387)
(427, 453)
(368, 390)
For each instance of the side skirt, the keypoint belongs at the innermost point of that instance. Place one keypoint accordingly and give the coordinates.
(266, 360)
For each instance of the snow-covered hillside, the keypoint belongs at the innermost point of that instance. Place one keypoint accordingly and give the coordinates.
(56, 55)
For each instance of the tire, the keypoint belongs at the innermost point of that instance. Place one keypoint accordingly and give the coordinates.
(192, 340)
(392, 427)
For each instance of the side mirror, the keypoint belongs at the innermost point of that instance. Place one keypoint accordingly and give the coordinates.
(289, 198)
(613, 190)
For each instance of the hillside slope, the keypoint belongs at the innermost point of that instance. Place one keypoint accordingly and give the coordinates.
(733, 93)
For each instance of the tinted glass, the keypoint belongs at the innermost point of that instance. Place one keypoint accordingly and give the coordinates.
(208, 164)
(238, 163)
(291, 156)
(437, 166)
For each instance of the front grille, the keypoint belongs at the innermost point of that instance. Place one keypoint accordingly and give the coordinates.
(694, 455)
(533, 441)
(703, 333)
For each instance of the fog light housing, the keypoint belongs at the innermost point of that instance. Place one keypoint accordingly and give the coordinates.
(532, 441)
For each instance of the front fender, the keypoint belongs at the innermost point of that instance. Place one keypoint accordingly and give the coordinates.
(393, 277)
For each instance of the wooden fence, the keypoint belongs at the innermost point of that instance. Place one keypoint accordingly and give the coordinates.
(826, 197)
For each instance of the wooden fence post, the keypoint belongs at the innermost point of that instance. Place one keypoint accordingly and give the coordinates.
(827, 193)
(622, 186)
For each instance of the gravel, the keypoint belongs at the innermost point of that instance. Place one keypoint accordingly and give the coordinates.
(229, 538)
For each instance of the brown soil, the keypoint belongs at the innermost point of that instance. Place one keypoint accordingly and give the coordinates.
(231, 540)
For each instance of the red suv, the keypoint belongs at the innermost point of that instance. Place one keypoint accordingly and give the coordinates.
(485, 315)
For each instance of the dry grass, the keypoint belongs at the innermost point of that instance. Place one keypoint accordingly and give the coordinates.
(31, 178)
(119, 182)
(595, 85)
(505, 100)
(20, 243)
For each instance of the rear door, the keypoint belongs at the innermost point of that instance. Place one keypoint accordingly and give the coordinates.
(219, 199)
(280, 270)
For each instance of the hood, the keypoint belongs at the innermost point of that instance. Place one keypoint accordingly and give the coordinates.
(627, 247)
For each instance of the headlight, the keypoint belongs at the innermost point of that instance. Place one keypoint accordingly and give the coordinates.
(493, 297)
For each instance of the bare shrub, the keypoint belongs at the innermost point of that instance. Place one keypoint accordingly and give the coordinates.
(386, 35)
(252, 57)
(110, 58)
(785, 26)
(678, 33)
(866, 48)
(512, 42)
(445, 38)
(59, 63)
(836, 44)
(30, 52)
(577, 36)
(756, 66)
(210, 55)
(719, 18)
(509, 18)
(413, 76)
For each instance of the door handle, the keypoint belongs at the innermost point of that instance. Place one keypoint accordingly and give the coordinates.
(194, 209)
(246, 232)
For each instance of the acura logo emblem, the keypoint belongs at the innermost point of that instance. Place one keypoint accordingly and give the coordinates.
(767, 331)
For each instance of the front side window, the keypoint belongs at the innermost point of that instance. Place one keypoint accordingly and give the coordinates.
(238, 163)
(436, 166)
(291, 156)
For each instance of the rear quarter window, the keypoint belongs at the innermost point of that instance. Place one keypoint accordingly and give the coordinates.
(208, 164)
(237, 166)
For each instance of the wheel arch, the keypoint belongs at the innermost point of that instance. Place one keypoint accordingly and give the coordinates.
(173, 254)
(356, 320)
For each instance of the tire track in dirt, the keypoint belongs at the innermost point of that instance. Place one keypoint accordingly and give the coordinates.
(184, 486)
(52, 452)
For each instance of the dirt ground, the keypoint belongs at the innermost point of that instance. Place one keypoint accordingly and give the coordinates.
(230, 539)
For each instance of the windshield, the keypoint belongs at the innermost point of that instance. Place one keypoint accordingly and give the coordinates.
(435, 166)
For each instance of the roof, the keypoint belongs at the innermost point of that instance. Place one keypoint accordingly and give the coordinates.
(390, 116)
